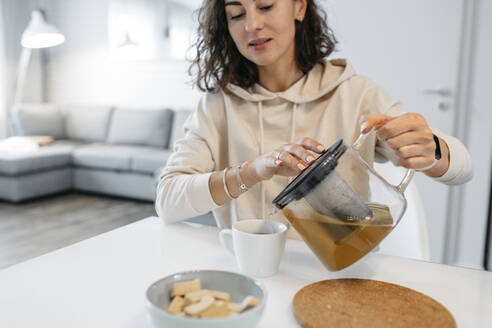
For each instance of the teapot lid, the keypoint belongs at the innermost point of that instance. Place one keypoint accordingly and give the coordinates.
(311, 176)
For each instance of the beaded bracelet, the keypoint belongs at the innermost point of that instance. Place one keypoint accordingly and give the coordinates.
(226, 189)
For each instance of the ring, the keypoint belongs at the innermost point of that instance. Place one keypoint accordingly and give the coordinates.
(277, 155)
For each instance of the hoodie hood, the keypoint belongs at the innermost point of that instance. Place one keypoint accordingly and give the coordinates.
(323, 78)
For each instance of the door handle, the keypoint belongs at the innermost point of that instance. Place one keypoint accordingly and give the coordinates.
(443, 92)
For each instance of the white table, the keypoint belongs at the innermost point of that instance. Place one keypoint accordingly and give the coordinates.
(101, 282)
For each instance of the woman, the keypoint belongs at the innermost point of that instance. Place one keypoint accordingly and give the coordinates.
(273, 101)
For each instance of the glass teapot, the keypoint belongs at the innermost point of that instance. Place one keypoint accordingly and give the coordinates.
(341, 206)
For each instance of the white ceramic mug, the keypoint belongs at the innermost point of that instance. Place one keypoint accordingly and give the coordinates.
(257, 244)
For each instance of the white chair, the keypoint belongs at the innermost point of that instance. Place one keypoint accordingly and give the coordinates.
(410, 238)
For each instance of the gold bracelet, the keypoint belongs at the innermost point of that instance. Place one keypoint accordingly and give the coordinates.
(226, 189)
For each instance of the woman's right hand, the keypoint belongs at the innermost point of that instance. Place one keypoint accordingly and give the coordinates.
(286, 160)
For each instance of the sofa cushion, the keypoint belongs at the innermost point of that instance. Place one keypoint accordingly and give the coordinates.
(88, 123)
(179, 120)
(37, 119)
(38, 184)
(123, 184)
(57, 155)
(67, 144)
(110, 157)
(140, 127)
(150, 161)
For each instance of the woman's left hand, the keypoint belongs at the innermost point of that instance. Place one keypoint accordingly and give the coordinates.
(411, 139)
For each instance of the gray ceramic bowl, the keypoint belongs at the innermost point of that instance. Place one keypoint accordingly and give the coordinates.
(239, 286)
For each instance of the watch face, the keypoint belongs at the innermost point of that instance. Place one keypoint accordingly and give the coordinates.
(438, 148)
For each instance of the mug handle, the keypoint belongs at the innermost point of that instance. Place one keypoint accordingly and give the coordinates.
(402, 186)
(225, 237)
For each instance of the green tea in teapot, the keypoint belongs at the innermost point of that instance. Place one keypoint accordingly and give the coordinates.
(339, 243)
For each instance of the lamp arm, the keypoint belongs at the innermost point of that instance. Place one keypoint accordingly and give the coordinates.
(25, 57)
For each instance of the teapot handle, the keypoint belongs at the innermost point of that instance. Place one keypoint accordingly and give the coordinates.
(402, 186)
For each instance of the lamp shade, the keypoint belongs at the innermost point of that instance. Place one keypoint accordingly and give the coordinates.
(40, 34)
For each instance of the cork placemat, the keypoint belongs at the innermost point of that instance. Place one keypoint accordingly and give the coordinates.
(367, 303)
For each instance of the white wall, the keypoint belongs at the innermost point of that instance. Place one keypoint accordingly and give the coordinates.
(476, 196)
(80, 71)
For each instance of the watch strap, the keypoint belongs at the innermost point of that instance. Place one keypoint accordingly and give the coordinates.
(438, 147)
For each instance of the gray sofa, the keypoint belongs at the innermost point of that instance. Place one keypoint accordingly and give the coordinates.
(100, 149)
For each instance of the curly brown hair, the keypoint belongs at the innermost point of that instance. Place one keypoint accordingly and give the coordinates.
(218, 62)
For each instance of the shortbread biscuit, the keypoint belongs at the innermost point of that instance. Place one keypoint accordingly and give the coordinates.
(182, 288)
(216, 310)
(198, 308)
(176, 306)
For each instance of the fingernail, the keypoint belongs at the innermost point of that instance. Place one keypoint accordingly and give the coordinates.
(310, 159)
(278, 162)
(301, 166)
(363, 126)
(320, 148)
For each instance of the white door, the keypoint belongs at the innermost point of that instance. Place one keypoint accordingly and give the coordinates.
(411, 49)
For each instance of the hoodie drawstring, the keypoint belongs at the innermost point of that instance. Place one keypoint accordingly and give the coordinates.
(262, 146)
(293, 124)
(293, 131)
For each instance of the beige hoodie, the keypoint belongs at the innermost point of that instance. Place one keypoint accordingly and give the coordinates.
(236, 125)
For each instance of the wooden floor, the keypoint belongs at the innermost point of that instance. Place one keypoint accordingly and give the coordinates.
(40, 226)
